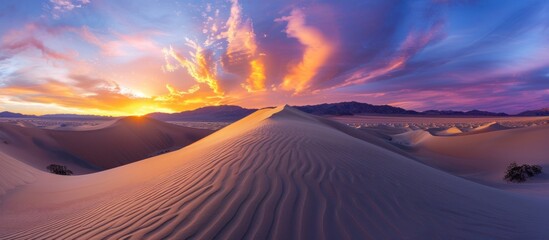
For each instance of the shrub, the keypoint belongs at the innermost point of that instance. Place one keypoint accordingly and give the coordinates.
(516, 173)
(536, 169)
(59, 169)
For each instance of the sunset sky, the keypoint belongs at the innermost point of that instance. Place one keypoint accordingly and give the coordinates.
(135, 57)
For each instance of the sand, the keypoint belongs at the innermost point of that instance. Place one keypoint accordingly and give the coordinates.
(278, 174)
(482, 154)
(451, 131)
(86, 149)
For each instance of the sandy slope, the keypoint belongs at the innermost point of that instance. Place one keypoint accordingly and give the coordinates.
(278, 173)
(14, 173)
(485, 153)
(114, 144)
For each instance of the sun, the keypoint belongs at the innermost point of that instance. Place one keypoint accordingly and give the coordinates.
(144, 109)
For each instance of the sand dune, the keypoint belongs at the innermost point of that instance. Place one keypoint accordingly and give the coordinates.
(448, 132)
(280, 174)
(488, 127)
(411, 138)
(91, 149)
(482, 155)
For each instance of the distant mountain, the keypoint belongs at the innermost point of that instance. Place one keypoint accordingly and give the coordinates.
(352, 108)
(231, 113)
(225, 113)
(356, 108)
(15, 115)
(75, 117)
(539, 112)
(460, 113)
(484, 113)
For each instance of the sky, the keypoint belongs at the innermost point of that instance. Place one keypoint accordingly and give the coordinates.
(130, 57)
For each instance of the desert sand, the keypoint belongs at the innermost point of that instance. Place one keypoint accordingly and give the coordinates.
(86, 148)
(283, 174)
(480, 154)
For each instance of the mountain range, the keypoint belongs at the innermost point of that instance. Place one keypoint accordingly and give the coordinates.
(231, 113)
(224, 113)
(539, 112)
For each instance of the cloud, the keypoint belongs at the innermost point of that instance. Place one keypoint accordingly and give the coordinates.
(200, 65)
(117, 45)
(242, 49)
(256, 79)
(19, 40)
(414, 42)
(317, 51)
(89, 36)
(61, 6)
(228, 52)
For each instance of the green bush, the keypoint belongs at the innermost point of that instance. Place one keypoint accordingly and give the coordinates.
(59, 169)
(516, 173)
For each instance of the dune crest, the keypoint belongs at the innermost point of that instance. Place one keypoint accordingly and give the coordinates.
(449, 131)
(411, 138)
(488, 127)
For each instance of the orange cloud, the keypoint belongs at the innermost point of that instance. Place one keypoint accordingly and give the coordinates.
(240, 57)
(207, 62)
(256, 80)
(175, 94)
(200, 66)
(317, 51)
(242, 47)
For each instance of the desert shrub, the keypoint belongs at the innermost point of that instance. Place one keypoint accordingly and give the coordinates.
(516, 173)
(59, 169)
(536, 169)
